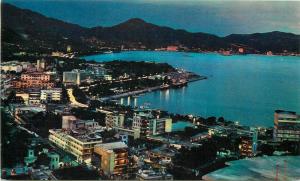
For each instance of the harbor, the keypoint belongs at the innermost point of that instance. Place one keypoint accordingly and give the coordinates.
(191, 77)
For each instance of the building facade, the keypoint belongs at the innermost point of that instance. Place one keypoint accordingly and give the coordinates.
(71, 77)
(286, 126)
(160, 126)
(34, 97)
(114, 120)
(41, 64)
(48, 95)
(35, 76)
(248, 144)
(150, 126)
(10, 66)
(245, 147)
(111, 158)
(33, 80)
(79, 145)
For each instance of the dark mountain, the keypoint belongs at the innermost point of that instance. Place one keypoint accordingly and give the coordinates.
(153, 36)
(38, 31)
(26, 22)
(27, 30)
(275, 41)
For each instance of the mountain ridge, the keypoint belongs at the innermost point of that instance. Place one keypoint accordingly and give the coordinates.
(37, 30)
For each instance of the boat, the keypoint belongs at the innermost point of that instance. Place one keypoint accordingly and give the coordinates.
(179, 84)
(108, 52)
(164, 86)
(226, 53)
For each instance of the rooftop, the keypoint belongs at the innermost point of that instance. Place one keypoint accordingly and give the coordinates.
(52, 89)
(82, 135)
(165, 151)
(285, 112)
(112, 146)
(152, 175)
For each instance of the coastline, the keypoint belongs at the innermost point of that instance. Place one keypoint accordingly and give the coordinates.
(149, 89)
(81, 56)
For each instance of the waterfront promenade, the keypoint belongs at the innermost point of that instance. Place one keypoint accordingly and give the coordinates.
(150, 89)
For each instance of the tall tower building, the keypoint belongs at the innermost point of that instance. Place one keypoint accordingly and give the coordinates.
(286, 126)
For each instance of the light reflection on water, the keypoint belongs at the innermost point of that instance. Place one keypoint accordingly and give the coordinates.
(240, 88)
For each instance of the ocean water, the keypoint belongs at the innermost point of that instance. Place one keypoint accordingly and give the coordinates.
(181, 125)
(244, 88)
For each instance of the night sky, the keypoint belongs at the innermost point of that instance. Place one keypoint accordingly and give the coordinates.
(216, 17)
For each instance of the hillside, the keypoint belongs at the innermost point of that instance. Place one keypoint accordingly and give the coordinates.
(25, 30)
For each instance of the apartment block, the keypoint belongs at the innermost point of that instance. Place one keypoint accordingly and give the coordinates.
(79, 143)
(72, 77)
(114, 120)
(49, 95)
(111, 158)
(149, 126)
(33, 80)
(286, 126)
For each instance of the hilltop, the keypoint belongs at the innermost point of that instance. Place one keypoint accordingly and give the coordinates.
(25, 30)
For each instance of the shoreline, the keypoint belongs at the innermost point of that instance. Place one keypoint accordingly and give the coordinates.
(81, 56)
(246, 119)
(150, 89)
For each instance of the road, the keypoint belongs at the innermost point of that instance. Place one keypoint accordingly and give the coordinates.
(73, 100)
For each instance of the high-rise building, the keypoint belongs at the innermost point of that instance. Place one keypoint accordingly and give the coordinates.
(160, 125)
(48, 95)
(148, 125)
(286, 126)
(248, 145)
(79, 143)
(40, 64)
(114, 120)
(132, 133)
(141, 122)
(71, 77)
(33, 80)
(34, 96)
(67, 121)
(69, 48)
(245, 147)
(11, 66)
(111, 158)
(35, 76)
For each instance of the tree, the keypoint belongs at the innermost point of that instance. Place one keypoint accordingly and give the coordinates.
(79, 95)
(86, 114)
(221, 120)
(290, 146)
(65, 96)
(12, 98)
(211, 120)
(43, 159)
(76, 173)
(42, 122)
(266, 149)
(196, 156)
(14, 142)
